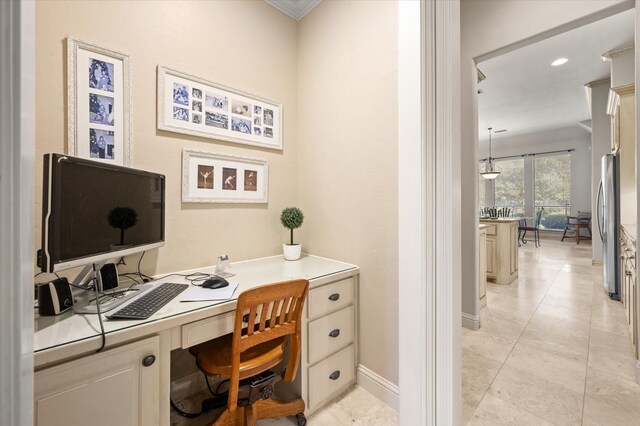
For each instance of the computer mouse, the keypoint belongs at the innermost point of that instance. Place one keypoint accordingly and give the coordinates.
(215, 283)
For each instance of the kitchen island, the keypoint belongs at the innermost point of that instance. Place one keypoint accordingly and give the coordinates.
(501, 249)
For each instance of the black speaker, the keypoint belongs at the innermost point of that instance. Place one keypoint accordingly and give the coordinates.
(108, 277)
(54, 297)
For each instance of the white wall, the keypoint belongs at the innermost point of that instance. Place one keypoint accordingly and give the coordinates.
(489, 28)
(552, 140)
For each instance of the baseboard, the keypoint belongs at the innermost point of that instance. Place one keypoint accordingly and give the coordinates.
(187, 385)
(379, 387)
(472, 322)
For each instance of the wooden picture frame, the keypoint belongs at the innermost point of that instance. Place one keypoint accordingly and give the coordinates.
(198, 107)
(98, 103)
(208, 177)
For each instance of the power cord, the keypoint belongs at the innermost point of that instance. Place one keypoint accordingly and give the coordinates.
(95, 287)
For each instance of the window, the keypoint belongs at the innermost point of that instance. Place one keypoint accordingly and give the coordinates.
(552, 189)
(509, 186)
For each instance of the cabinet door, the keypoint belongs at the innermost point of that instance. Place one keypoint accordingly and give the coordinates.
(106, 389)
(491, 257)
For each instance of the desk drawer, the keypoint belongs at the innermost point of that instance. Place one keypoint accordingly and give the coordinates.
(330, 297)
(331, 375)
(331, 333)
(198, 332)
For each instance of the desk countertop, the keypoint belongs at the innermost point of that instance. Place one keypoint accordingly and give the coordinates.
(68, 328)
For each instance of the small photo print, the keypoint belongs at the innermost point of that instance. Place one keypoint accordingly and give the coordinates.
(101, 144)
(196, 118)
(257, 110)
(250, 180)
(257, 121)
(216, 101)
(181, 114)
(216, 120)
(100, 109)
(268, 117)
(268, 132)
(257, 131)
(240, 125)
(205, 177)
(229, 179)
(196, 93)
(241, 108)
(180, 94)
(197, 106)
(100, 75)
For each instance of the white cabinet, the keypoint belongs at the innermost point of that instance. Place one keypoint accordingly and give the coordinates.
(328, 364)
(482, 267)
(502, 250)
(628, 283)
(80, 392)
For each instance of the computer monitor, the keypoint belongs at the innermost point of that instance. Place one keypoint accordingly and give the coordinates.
(93, 212)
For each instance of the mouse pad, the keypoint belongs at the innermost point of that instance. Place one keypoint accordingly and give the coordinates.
(199, 294)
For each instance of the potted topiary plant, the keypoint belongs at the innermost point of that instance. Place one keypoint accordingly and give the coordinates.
(122, 218)
(291, 218)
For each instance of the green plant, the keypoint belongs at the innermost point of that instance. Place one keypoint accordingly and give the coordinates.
(291, 218)
(122, 218)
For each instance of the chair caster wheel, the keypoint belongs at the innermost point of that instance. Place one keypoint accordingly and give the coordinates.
(301, 419)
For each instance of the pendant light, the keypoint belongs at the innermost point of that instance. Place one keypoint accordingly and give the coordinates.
(491, 171)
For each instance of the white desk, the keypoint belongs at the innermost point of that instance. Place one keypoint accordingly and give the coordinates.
(68, 371)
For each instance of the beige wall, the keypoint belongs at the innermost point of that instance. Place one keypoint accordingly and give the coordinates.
(335, 73)
(248, 45)
(347, 128)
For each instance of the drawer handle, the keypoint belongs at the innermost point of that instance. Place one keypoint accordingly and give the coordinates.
(148, 360)
(334, 296)
(335, 333)
(335, 375)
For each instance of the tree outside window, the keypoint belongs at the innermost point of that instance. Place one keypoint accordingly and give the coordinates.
(552, 189)
(509, 186)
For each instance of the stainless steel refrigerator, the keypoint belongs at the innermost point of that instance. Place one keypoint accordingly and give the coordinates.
(608, 218)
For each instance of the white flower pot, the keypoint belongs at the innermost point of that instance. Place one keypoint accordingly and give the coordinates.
(292, 251)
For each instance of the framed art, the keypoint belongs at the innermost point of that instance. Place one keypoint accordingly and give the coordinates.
(198, 107)
(98, 110)
(218, 178)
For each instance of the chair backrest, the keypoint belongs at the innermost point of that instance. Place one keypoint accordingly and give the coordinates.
(270, 312)
(538, 218)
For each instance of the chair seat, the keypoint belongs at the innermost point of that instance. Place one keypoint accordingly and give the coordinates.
(214, 357)
(527, 228)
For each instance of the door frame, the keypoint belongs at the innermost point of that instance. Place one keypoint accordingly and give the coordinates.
(429, 212)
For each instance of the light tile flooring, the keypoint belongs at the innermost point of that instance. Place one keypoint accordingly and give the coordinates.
(553, 349)
(354, 407)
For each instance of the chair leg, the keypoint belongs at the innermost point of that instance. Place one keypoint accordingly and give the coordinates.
(519, 239)
(578, 235)
(564, 234)
(227, 418)
(273, 409)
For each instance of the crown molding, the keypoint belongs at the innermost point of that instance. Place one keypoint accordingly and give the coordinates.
(296, 9)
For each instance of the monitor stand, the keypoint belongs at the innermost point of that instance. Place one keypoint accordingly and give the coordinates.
(85, 299)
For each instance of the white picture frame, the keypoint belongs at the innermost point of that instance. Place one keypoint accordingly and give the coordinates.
(98, 103)
(208, 177)
(198, 107)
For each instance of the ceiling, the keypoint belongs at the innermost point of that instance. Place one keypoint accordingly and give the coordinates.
(294, 8)
(523, 93)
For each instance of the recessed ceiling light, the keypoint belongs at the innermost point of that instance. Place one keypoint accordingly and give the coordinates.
(559, 61)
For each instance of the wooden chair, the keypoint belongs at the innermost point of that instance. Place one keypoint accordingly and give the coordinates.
(523, 228)
(575, 223)
(272, 314)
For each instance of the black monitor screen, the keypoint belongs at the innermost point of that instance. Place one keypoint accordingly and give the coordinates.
(98, 209)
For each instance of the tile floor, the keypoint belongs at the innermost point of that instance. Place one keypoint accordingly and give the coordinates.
(553, 349)
(354, 407)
